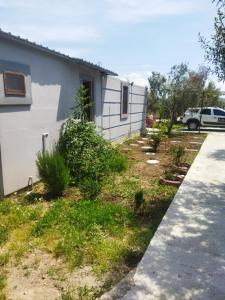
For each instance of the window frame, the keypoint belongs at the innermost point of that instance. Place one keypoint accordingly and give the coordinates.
(124, 115)
(14, 92)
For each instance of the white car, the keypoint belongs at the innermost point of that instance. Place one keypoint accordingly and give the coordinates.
(206, 116)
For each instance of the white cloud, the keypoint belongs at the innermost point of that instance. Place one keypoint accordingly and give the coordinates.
(56, 32)
(48, 21)
(138, 11)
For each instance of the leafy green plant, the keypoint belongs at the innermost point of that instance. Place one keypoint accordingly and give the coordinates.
(169, 174)
(53, 172)
(139, 200)
(163, 126)
(89, 157)
(178, 152)
(81, 105)
(90, 188)
(156, 139)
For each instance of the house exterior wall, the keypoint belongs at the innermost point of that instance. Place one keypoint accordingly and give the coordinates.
(113, 125)
(53, 85)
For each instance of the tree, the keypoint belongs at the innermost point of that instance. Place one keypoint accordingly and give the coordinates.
(194, 87)
(215, 48)
(157, 84)
(175, 92)
(212, 95)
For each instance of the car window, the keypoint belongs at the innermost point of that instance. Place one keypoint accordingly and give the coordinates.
(218, 112)
(206, 111)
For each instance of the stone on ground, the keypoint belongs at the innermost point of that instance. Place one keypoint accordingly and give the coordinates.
(146, 148)
(152, 162)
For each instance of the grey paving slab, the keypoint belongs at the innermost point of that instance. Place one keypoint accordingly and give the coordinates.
(186, 257)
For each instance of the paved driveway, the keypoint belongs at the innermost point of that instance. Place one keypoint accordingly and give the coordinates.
(186, 257)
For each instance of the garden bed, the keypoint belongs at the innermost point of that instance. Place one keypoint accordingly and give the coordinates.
(65, 248)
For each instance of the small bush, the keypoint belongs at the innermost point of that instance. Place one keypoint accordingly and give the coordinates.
(156, 139)
(89, 157)
(53, 172)
(90, 188)
(177, 151)
(139, 200)
(163, 126)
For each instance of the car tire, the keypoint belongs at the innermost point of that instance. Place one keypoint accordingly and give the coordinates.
(193, 125)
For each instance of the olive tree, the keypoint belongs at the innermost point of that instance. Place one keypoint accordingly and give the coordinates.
(157, 91)
(215, 48)
(174, 99)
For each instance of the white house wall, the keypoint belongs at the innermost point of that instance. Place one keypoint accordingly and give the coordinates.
(113, 126)
(53, 85)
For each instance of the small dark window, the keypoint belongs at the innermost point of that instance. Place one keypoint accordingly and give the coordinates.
(206, 111)
(14, 84)
(218, 112)
(125, 100)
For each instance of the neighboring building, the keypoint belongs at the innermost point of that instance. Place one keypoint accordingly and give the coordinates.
(37, 87)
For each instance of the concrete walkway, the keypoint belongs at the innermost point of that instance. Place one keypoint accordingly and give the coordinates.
(186, 257)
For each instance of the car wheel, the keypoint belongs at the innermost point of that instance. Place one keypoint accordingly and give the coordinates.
(193, 125)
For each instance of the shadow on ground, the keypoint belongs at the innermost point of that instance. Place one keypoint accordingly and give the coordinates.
(186, 258)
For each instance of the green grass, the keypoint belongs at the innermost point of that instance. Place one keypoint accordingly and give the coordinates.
(99, 233)
(87, 231)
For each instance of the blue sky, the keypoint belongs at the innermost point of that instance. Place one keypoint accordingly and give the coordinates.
(131, 37)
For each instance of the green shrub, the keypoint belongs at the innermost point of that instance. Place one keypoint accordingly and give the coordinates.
(53, 172)
(90, 188)
(139, 200)
(86, 153)
(156, 139)
(177, 151)
(163, 126)
(89, 157)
